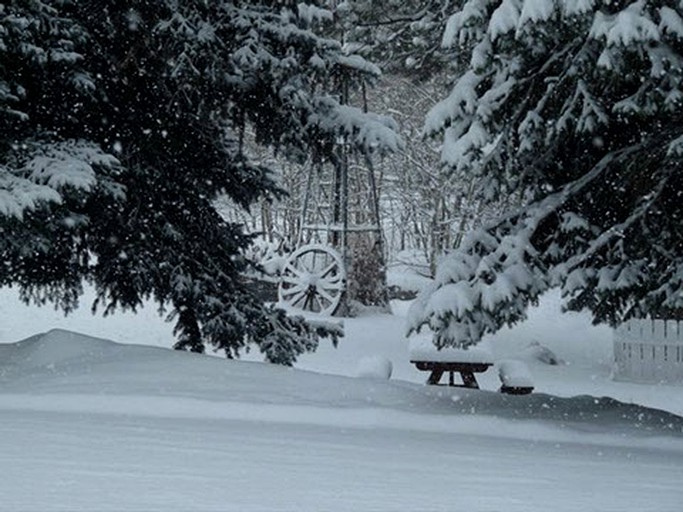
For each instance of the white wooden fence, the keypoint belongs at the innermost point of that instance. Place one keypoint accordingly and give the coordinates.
(649, 351)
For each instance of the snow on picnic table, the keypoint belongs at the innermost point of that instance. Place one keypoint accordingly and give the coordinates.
(422, 349)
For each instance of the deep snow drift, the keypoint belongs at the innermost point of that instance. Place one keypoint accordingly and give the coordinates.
(584, 351)
(62, 363)
(88, 424)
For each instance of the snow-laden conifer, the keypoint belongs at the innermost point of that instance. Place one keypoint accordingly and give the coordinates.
(575, 107)
(128, 120)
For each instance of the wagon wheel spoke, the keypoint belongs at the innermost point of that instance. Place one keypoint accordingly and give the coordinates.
(308, 303)
(337, 284)
(323, 293)
(294, 289)
(291, 280)
(328, 269)
(297, 298)
(293, 269)
(321, 306)
(308, 264)
(332, 281)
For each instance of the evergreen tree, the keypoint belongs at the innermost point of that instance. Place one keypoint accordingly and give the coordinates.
(575, 107)
(403, 37)
(168, 89)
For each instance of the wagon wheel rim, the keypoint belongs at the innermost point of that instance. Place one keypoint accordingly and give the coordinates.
(313, 280)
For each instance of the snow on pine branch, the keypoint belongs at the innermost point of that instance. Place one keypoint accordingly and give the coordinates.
(459, 104)
(312, 14)
(63, 164)
(629, 26)
(39, 173)
(505, 19)
(548, 90)
(367, 131)
(496, 273)
(486, 284)
(19, 194)
(671, 22)
(466, 24)
(358, 63)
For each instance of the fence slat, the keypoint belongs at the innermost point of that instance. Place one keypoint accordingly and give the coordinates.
(657, 334)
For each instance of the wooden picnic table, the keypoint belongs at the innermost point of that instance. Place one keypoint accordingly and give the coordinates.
(465, 369)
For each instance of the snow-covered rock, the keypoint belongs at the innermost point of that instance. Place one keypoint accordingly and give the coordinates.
(374, 367)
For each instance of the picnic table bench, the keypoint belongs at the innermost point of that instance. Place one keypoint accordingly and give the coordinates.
(465, 369)
(514, 375)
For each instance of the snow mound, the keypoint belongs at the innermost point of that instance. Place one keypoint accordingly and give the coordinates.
(515, 374)
(61, 358)
(374, 367)
(57, 347)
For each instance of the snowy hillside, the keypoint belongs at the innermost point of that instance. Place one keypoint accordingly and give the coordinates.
(91, 424)
(584, 351)
(111, 426)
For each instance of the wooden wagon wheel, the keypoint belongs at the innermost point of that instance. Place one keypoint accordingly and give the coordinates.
(313, 279)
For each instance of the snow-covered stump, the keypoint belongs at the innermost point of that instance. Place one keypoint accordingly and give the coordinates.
(648, 350)
(515, 378)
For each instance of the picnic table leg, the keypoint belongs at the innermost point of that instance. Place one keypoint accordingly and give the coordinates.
(435, 377)
(468, 380)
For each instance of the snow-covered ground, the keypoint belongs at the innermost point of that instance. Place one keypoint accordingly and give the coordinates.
(88, 424)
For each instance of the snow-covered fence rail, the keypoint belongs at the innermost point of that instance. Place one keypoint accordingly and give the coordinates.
(649, 351)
